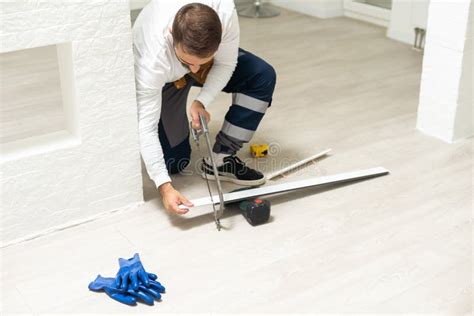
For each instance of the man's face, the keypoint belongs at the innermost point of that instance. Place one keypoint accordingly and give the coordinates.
(194, 63)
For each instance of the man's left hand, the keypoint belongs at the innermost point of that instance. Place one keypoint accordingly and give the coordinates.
(198, 109)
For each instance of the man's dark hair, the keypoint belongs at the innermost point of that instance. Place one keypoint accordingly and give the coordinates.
(197, 29)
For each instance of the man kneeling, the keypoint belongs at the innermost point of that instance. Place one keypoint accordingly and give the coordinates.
(177, 45)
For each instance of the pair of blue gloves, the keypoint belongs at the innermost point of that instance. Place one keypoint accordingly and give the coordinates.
(131, 284)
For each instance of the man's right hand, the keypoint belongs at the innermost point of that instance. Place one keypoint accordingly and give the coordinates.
(198, 109)
(172, 199)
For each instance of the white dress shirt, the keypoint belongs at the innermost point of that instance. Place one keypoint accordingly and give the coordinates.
(156, 64)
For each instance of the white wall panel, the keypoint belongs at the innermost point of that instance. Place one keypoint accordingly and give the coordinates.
(93, 166)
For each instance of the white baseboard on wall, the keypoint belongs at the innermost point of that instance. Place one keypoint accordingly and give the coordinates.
(405, 37)
(366, 18)
(70, 225)
(323, 10)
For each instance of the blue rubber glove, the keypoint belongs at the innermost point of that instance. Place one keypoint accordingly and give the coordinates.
(131, 273)
(129, 296)
(153, 284)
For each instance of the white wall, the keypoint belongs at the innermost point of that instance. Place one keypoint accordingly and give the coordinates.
(401, 20)
(405, 16)
(317, 8)
(94, 166)
(446, 106)
(138, 4)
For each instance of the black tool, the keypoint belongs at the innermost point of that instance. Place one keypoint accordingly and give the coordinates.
(256, 211)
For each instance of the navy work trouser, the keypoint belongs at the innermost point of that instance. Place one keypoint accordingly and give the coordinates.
(252, 85)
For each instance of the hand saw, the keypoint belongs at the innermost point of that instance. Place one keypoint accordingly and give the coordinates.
(205, 132)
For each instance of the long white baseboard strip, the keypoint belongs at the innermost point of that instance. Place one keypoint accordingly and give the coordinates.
(295, 185)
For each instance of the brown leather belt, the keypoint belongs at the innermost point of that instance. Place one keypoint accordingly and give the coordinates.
(199, 76)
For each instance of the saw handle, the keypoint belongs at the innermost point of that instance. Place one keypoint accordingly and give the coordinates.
(203, 129)
(203, 121)
(196, 133)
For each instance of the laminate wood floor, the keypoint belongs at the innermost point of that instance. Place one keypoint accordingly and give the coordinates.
(396, 244)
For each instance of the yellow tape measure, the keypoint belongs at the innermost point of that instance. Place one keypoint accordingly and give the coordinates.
(259, 150)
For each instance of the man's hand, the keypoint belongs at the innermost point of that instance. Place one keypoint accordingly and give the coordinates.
(198, 109)
(172, 199)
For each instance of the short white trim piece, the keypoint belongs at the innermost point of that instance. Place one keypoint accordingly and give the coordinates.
(297, 164)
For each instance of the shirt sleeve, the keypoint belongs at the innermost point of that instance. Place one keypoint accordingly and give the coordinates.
(150, 79)
(225, 61)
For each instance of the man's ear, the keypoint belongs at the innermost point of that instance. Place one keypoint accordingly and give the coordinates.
(170, 29)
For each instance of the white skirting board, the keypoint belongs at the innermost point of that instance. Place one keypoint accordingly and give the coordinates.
(291, 186)
(296, 165)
